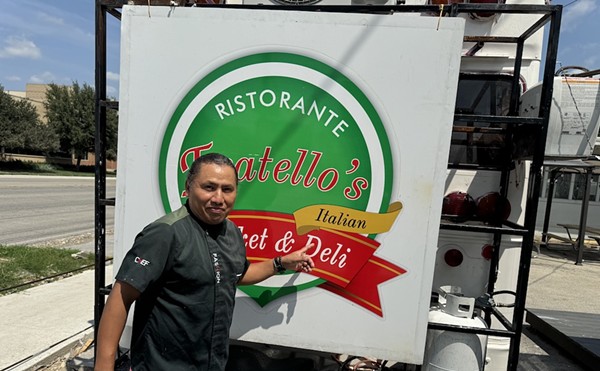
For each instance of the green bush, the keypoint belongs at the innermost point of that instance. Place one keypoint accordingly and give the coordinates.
(17, 165)
(44, 168)
(29, 167)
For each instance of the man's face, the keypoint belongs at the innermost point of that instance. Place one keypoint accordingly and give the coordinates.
(212, 192)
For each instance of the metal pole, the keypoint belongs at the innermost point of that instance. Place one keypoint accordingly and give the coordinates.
(100, 165)
(583, 216)
(552, 178)
(533, 191)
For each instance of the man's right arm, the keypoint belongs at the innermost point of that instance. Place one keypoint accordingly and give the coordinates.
(112, 323)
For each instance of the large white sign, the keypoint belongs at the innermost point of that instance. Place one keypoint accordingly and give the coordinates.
(339, 125)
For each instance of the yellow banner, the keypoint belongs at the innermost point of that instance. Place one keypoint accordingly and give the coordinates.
(345, 219)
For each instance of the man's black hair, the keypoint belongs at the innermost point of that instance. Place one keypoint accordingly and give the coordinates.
(210, 158)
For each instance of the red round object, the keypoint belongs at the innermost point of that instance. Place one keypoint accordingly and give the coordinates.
(453, 257)
(487, 251)
(492, 208)
(459, 205)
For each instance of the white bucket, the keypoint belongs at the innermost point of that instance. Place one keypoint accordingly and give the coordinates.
(497, 353)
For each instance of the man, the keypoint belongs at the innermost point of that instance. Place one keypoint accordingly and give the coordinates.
(182, 273)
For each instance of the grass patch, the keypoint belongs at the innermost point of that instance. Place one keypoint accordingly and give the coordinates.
(21, 264)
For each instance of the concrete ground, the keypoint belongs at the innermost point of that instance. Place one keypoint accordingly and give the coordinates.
(43, 323)
(49, 327)
(556, 283)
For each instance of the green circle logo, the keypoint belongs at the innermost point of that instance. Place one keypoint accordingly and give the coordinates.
(299, 131)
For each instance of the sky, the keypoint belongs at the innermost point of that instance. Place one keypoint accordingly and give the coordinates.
(52, 41)
(44, 41)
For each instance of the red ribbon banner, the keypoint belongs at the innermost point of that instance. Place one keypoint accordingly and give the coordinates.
(344, 259)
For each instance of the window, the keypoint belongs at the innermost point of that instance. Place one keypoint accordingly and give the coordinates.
(579, 187)
(479, 142)
(562, 186)
(572, 187)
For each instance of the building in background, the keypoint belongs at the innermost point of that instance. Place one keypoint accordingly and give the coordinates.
(34, 94)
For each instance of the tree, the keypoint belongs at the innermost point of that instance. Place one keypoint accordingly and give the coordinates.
(70, 111)
(20, 127)
(41, 138)
(112, 123)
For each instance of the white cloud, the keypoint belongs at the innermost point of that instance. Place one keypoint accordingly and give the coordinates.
(112, 76)
(43, 78)
(581, 7)
(588, 54)
(45, 17)
(13, 78)
(111, 91)
(19, 47)
(593, 60)
(576, 11)
(592, 46)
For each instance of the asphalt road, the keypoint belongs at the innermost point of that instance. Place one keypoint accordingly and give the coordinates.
(45, 210)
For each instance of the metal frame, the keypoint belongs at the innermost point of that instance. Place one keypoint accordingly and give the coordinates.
(103, 7)
(550, 14)
(556, 168)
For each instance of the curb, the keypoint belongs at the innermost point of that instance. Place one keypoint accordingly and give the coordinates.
(59, 350)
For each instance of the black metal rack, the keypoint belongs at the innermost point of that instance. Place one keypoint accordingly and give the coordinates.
(536, 130)
(513, 126)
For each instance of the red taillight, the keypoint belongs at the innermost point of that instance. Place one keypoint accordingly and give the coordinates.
(492, 208)
(487, 251)
(453, 257)
(459, 205)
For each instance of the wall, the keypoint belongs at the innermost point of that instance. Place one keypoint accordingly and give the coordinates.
(36, 95)
(568, 212)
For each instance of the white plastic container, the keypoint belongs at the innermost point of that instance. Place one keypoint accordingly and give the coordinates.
(472, 274)
(452, 350)
(497, 353)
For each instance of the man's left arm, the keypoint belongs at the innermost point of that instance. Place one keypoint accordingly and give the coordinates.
(298, 261)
